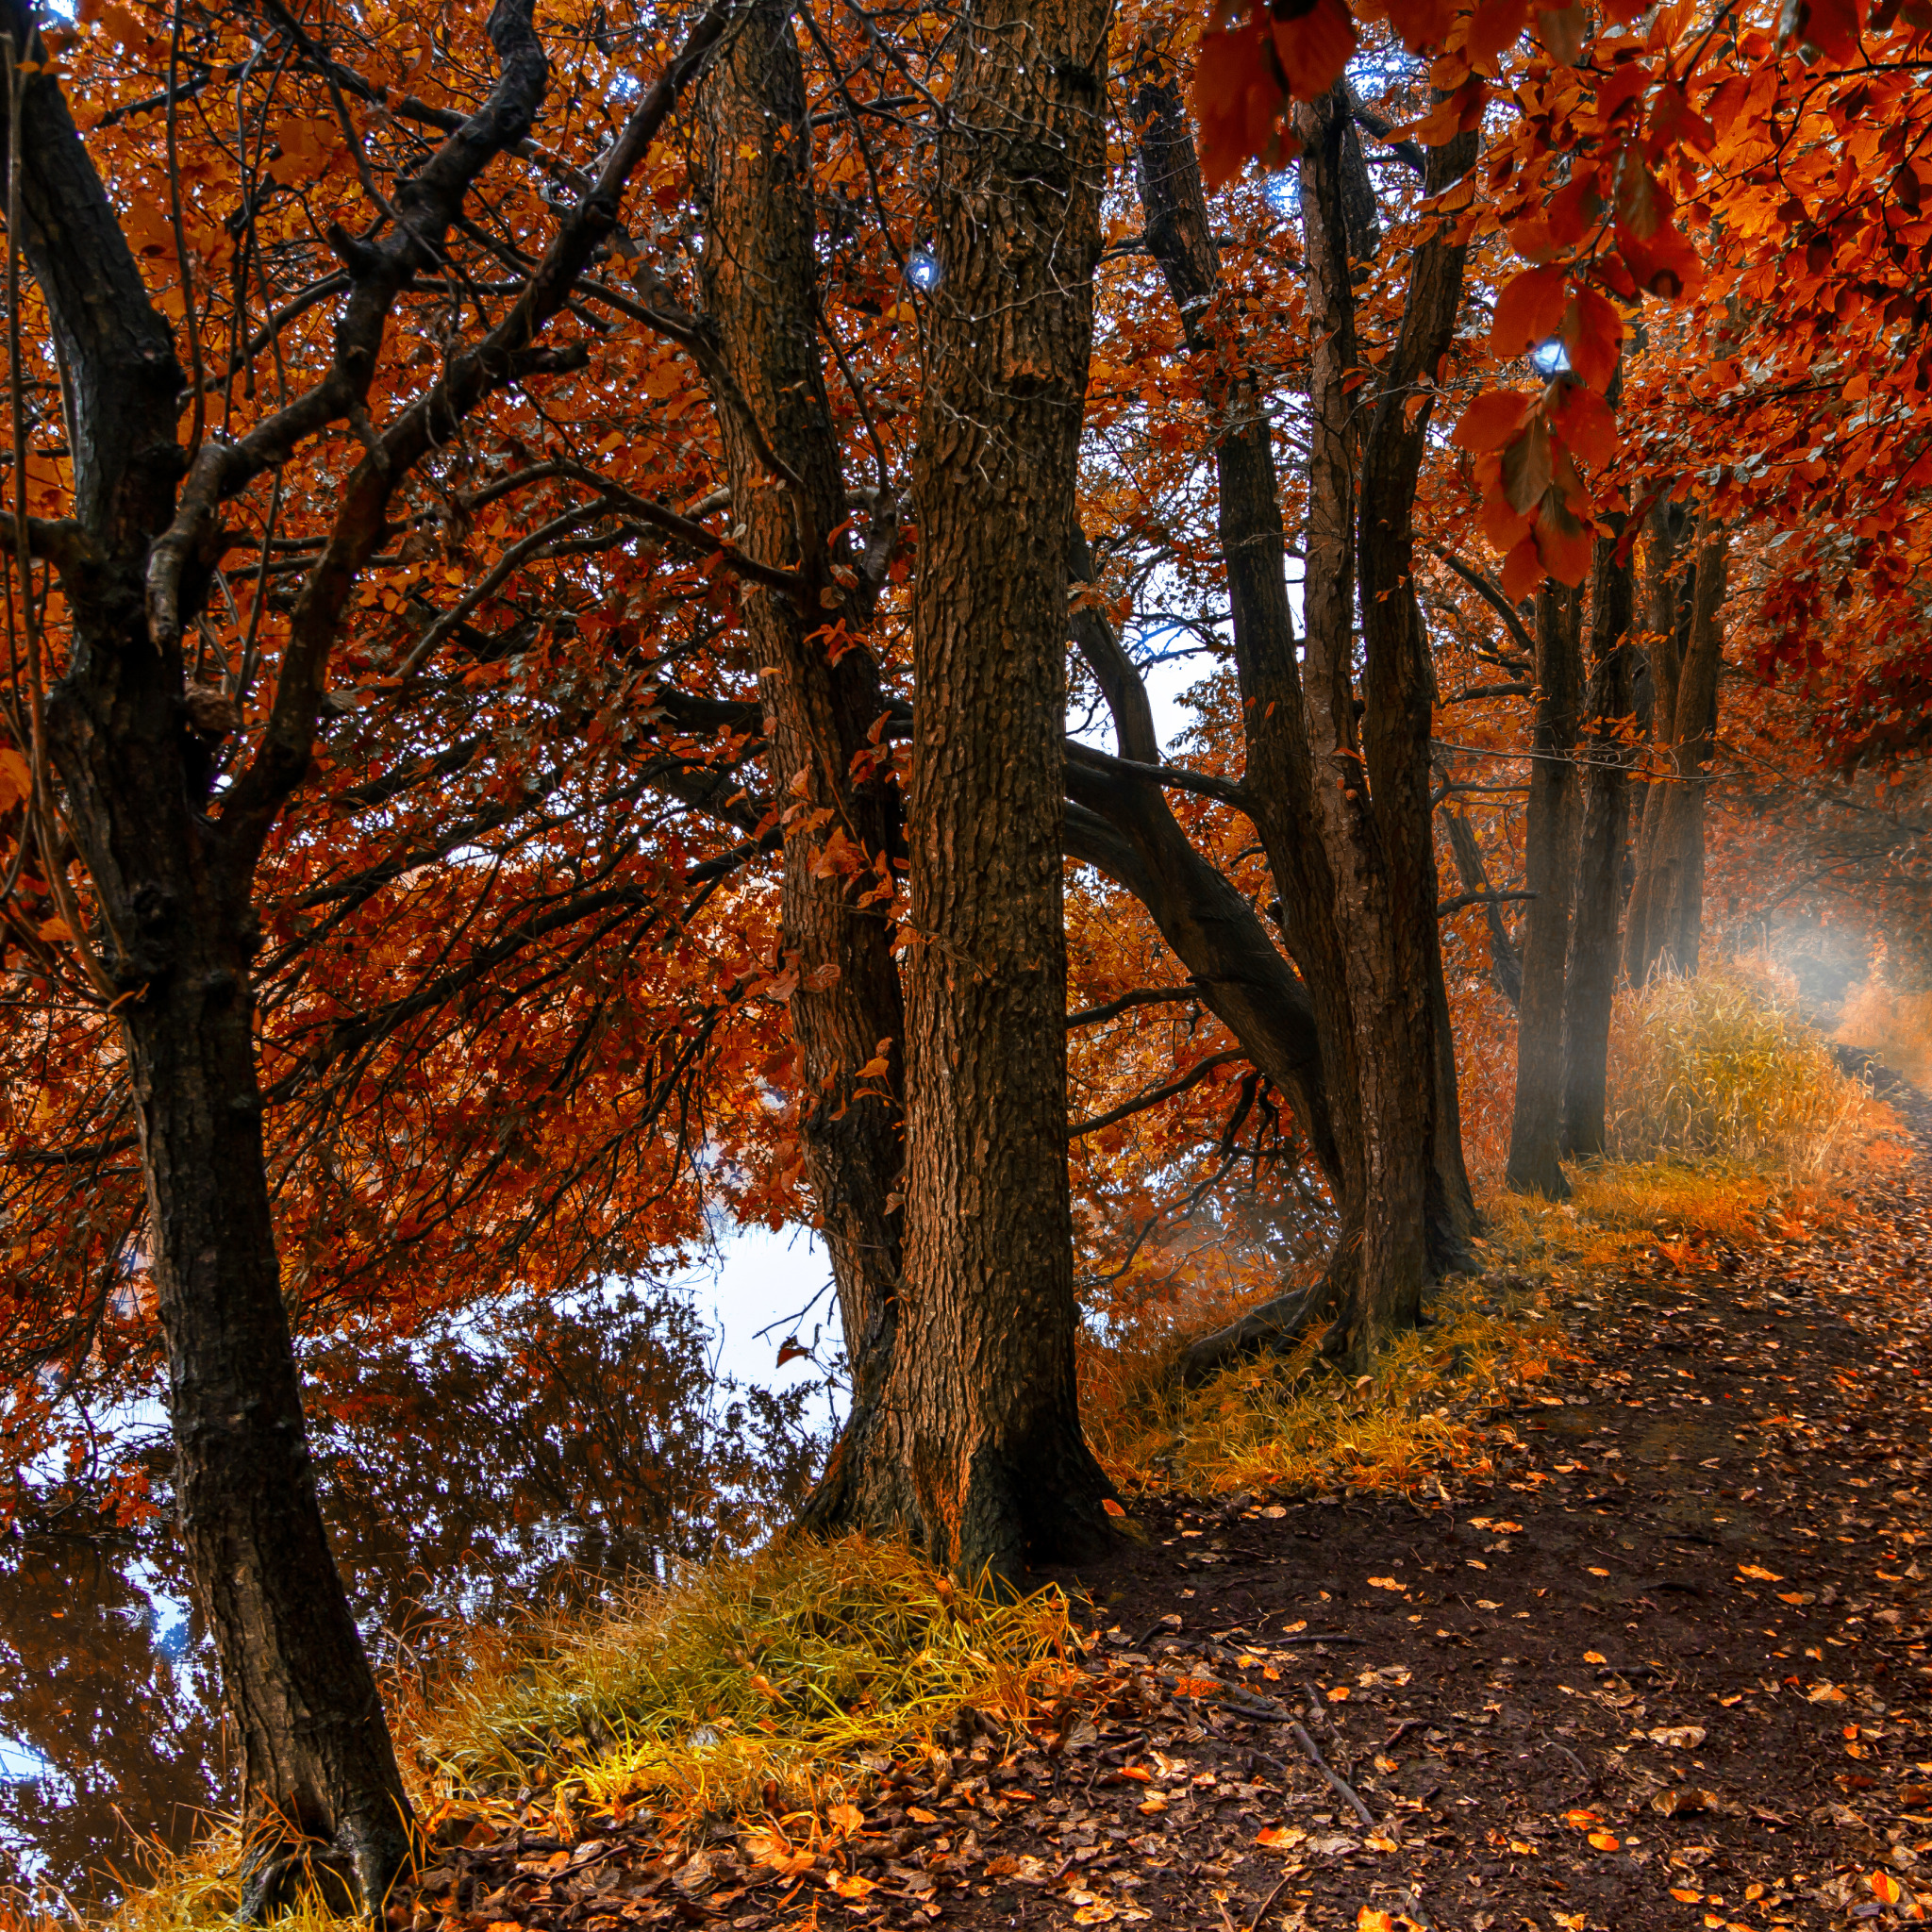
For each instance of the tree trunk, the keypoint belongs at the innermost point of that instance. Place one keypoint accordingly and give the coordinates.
(177, 935)
(846, 1007)
(315, 1748)
(1550, 871)
(1667, 901)
(1593, 973)
(1342, 809)
(975, 1449)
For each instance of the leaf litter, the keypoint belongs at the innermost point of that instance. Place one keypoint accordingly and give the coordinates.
(1691, 1692)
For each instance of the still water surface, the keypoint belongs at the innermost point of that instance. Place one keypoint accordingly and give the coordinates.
(468, 1472)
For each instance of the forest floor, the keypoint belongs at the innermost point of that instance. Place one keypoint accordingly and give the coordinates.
(1669, 1669)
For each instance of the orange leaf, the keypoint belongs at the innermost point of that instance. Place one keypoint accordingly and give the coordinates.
(1421, 22)
(1492, 420)
(1665, 265)
(1314, 43)
(1493, 28)
(1830, 26)
(1523, 570)
(1672, 119)
(1562, 541)
(1455, 114)
(1111, 1507)
(1583, 420)
(1529, 309)
(1593, 337)
(1884, 1887)
(1562, 33)
(850, 1885)
(1574, 210)
(1236, 100)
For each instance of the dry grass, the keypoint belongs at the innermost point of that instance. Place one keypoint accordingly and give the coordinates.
(768, 1690)
(1729, 1117)
(1717, 1068)
(1896, 1027)
(1293, 1423)
(760, 1684)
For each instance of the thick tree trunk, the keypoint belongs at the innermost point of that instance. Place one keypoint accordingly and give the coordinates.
(1550, 871)
(1592, 975)
(847, 1006)
(177, 936)
(315, 1749)
(1667, 901)
(1342, 809)
(975, 1449)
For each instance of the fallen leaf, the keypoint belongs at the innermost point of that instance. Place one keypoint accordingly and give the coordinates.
(1281, 1837)
(1759, 1571)
(1604, 1841)
(850, 1885)
(1678, 1737)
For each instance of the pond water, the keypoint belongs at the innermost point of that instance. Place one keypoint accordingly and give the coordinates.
(599, 1440)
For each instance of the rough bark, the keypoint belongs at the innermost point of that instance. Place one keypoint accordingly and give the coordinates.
(1343, 809)
(1550, 872)
(975, 1450)
(1666, 912)
(846, 1007)
(1608, 748)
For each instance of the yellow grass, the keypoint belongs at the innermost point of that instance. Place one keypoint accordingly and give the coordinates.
(1294, 1425)
(761, 1684)
(1717, 1068)
(767, 1690)
(1895, 1025)
(1728, 1116)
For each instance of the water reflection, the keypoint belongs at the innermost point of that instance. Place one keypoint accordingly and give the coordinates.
(524, 1455)
(106, 1701)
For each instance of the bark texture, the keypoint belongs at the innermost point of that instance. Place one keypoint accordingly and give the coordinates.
(818, 687)
(1666, 914)
(1550, 871)
(1609, 745)
(1338, 768)
(1505, 961)
(976, 1448)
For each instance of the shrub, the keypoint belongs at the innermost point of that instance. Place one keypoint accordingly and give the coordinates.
(1716, 1069)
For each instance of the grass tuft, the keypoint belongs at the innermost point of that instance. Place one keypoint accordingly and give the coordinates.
(1717, 1068)
(1296, 1424)
(760, 1685)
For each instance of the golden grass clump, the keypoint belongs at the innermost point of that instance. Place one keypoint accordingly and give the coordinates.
(793, 1668)
(1293, 1423)
(1715, 1069)
(1895, 1025)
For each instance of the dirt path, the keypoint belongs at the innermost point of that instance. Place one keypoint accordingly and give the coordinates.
(1670, 1670)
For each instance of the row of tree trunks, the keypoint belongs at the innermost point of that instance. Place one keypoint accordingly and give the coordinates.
(1550, 874)
(1344, 808)
(1666, 914)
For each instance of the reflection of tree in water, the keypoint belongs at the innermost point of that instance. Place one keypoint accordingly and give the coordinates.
(493, 1460)
(484, 1462)
(111, 1688)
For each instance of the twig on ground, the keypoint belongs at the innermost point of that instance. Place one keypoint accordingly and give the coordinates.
(1339, 1785)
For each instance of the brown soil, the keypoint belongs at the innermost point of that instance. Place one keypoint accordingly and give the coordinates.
(1669, 1671)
